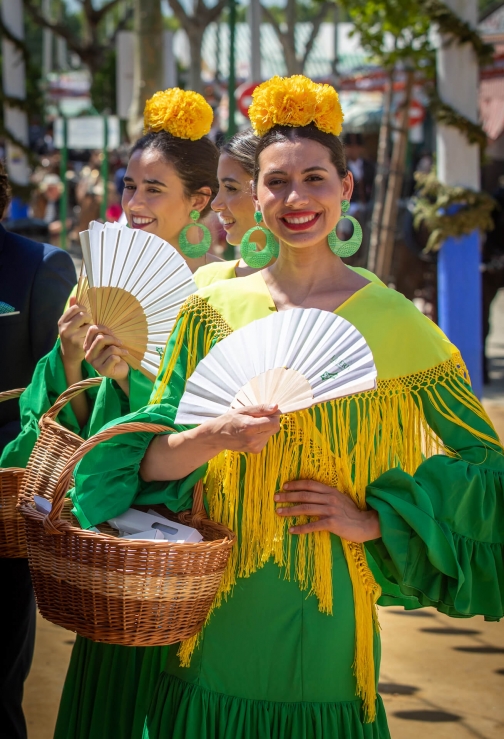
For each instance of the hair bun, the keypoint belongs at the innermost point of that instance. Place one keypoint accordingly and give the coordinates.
(295, 101)
(183, 113)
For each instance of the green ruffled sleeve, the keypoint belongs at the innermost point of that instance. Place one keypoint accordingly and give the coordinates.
(107, 480)
(111, 402)
(442, 528)
(48, 382)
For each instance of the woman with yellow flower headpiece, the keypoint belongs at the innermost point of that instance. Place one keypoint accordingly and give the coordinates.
(391, 495)
(170, 180)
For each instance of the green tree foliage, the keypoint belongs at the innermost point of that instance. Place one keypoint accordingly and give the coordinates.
(393, 31)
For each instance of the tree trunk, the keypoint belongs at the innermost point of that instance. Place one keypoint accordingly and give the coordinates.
(380, 188)
(195, 36)
(291, 61)
(148, 69)
(395, 182)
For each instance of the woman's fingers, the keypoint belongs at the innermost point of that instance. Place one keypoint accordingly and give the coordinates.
(106, 346)
(75, 315)
(305, 509)
(264, 425)
(307, 496)
(312, 526)
(110, 364)
(107, 365)
(95, 332)
(309, 486)
(258, 411)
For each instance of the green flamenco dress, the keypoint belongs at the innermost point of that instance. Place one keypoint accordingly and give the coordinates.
(107, 688)
(291, 647)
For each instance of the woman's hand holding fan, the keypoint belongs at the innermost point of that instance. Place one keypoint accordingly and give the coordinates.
(73, 327)
(105, 353)
(247, 430)
(135, 284)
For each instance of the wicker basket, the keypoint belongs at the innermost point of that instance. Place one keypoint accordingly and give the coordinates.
(12, 537)
(54, 446)
(122, 591)
(52, 450)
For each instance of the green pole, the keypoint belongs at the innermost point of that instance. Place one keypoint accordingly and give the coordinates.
(104, 169)
(64, 179)
(231, 78)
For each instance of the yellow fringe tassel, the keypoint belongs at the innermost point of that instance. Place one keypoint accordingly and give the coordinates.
(346, 443)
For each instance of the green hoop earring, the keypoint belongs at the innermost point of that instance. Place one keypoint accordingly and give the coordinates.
(350, 246)
(258, 259)
(193, 251)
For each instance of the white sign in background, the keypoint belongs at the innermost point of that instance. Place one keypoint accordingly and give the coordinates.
(88, 132)
(125, 64)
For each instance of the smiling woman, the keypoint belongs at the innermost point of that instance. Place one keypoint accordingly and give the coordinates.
(392, 495)
(166, 180)
(171, 176)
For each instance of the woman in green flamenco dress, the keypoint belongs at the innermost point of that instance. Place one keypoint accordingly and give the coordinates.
(412, 472)
(115, 681)
(167, 174)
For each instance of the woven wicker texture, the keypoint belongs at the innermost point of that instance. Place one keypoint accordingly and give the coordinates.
(12, 537)
(120, 591)
(54, 447)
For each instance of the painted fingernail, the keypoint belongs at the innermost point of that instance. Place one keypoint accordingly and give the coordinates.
(286, 486)
(280, 510)
(276, 497)
(292, 530)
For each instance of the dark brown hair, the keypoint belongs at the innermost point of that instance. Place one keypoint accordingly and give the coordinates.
(279, 134)
(5, 190)
(242, 148)
(195, 161)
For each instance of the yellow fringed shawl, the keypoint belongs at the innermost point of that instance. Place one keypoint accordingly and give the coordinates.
(346, 443)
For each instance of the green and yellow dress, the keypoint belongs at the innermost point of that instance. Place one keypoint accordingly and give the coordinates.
(107, 687)
(97, 671)
(291, 648)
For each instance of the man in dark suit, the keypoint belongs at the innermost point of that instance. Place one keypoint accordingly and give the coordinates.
(35, 282)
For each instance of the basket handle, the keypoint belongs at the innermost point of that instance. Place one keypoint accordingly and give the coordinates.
(69, 394)
(52, 522)
(11, 394)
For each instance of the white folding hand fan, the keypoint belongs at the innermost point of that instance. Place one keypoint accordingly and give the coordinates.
(295, 359)
(134, 284)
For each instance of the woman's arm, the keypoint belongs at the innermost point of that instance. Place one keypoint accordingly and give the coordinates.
(174, 456)
(73, 326)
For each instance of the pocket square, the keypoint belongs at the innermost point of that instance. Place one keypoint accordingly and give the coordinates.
(6, 308)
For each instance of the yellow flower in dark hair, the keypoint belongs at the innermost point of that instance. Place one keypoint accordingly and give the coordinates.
(183, 113)
(295, 101)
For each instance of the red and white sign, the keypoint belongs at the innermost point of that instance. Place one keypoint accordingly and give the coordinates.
(416, 113)
(244, 96)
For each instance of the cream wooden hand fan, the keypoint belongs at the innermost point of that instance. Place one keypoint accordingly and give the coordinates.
(133, 283)
(294, 359)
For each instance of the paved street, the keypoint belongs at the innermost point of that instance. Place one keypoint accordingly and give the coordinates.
(441, 678)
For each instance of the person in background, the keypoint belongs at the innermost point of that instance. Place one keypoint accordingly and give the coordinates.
(46, 205)
(35, 282)
(114, 210)
(362, 169)
(492, 259)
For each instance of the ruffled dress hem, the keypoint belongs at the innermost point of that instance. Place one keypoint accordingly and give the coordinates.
(181, 710)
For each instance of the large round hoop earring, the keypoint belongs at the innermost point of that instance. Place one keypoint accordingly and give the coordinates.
(193, 251)
(349, 247)
(252, 257)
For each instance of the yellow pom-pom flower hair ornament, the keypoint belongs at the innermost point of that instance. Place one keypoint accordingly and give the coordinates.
(298, 101)
(183, 113)
(295, 101)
